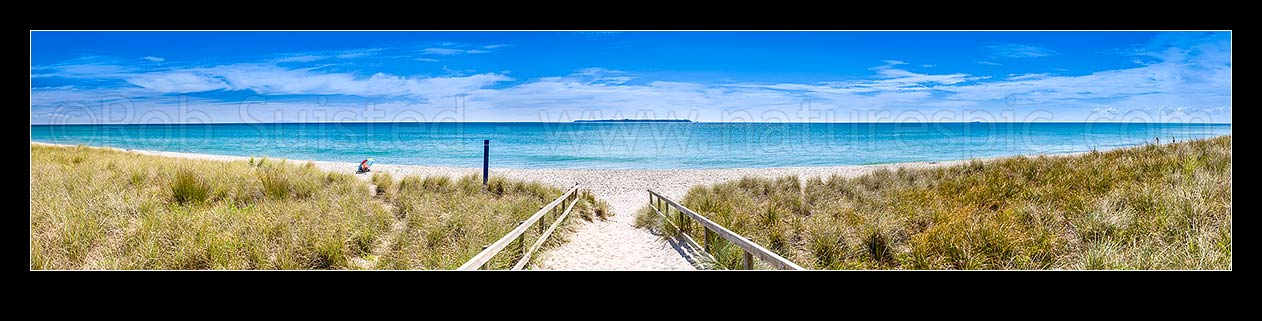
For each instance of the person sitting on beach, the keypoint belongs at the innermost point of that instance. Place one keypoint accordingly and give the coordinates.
(363, 166)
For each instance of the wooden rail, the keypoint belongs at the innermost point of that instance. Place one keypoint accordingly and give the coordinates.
(663, 205)
(518, 234)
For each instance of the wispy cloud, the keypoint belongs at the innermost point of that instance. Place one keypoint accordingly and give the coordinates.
(1198, 76)
(271, 79)
(896, 76)
(83, 70)
(1014, 50)
(601, 76)
(451, 51)
(1028, 76)
(327, 54)
(427, 59)
(1111, 110)
(153, 59)
(177, 82)
(989, 63)
(349, 54)
(442, 51)
(301, 58)
(1182, 82)
(267, 78)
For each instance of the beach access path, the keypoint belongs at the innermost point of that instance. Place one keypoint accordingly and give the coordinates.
(616, 244)
(613, 244)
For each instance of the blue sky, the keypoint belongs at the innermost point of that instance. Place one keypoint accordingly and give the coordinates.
(165, 77)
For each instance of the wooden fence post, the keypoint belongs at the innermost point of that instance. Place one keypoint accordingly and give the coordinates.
(521, 245)
(707, 240)
(486, 160)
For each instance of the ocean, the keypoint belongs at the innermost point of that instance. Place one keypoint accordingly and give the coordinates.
(627, 145)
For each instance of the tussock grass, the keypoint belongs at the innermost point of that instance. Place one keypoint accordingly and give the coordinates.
(1148, 207)
(187, 188)
(284, 182)
(645, 218)
(384, 183)
(107, 209)
(449, 221)
(590, 208)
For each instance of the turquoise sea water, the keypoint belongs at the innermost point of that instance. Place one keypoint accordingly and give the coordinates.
(627, 145)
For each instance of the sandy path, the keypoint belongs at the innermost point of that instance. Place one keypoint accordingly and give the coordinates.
(614, 244)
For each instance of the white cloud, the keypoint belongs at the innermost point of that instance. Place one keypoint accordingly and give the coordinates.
(74, 96)
(270, 79)
(1201, 82)
(989, 63)
(1014, 50)
(451, 51)
(1028, 76)
(327, 54)
(1176, 78)
(1112, 110)
(86, 70)
(352, 55)
(274, 79)
(153, 59)
(441, 51)
(597, 70)
(349, 54)
(301, 58)
(899, 77)
(427, 59)
(180, 82)
(67, 87)
(592, 89)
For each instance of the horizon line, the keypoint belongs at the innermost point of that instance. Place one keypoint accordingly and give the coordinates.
(694, 122)
(622, 30)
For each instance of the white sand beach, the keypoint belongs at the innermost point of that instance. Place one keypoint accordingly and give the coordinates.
(614, 244)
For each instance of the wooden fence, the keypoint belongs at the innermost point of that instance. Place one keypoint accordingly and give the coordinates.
(559, 210)
(683, 225)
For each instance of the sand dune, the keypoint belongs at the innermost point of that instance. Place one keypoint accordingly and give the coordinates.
(614, 244)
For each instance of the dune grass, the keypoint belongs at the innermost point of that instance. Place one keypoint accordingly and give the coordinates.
(1148, 207)
(449, 221)
(106, 209)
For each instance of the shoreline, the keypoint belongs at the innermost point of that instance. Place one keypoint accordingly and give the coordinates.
(668, 178)
(320, 163)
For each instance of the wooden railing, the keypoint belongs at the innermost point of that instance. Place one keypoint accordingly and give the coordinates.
(559, 211)
(683, 226)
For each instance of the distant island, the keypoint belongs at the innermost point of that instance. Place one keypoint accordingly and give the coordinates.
(626, 120)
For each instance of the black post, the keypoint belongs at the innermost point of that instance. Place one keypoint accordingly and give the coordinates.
(486, 159)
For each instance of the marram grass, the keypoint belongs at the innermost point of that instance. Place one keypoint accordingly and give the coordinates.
(106, 209)
(1148, 207)
(449, 221)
